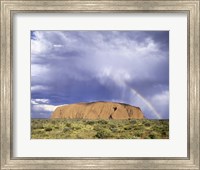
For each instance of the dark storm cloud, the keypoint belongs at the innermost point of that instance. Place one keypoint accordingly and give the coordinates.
(83, 66)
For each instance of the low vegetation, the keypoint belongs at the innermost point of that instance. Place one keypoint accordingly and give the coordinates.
(99, 129)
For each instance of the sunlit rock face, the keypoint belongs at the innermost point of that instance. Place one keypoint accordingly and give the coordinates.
(98, 110)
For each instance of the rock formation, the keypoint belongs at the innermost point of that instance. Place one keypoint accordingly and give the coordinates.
(98, 110)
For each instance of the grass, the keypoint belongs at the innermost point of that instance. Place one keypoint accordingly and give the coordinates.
(99, 129)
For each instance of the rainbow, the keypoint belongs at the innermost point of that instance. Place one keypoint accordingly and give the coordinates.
(146, 102)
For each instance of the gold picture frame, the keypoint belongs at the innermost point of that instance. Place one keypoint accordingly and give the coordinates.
(10, 8)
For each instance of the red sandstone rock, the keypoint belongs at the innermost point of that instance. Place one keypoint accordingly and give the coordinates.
(98, 110)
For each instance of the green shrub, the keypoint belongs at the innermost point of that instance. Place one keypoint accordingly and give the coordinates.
(138, 133)
(53, 122)
(68, 124)
(48, 129)
(127, 128)
(97, 128)
(76, 127)
(153, 135)
(66, 129)
(103, 133)
(132, 121)
(112, 125)
(147, 124)
(38, 126)
(102, 122)
(114, 129)
(90, 122)
(136, 128)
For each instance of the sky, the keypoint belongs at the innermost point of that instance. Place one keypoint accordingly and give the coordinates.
(129, 67)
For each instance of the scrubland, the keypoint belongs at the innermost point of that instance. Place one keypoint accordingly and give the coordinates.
(99, 129)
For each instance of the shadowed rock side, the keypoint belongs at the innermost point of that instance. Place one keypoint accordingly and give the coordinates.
(98, 110)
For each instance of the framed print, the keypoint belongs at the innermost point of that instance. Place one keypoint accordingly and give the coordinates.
(100, 84)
